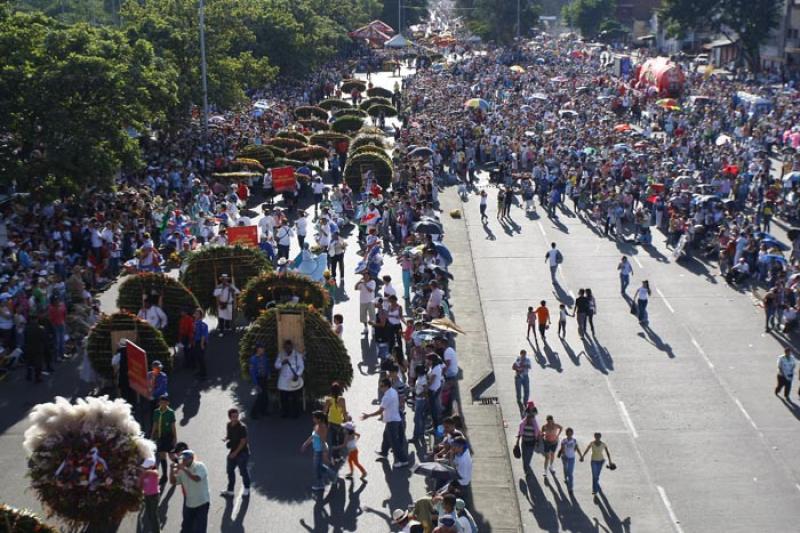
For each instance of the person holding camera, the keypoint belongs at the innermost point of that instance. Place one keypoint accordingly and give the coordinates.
(290, 366)
(192, 475)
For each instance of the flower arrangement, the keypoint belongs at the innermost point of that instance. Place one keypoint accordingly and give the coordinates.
(380, 164)
(173, 295)
(291, 134)
(285, 143)
(83, 460)
(332, 104)
(326, 358)
(380, 91)
(348, 124)
(314, 124)
(310, 111)
(101, 351)
(280, 289)
(22, 521)
(375, 100)
(349, 85)
(323, 138)
(350, 112)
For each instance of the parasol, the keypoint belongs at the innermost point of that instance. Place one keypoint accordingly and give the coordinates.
(539, 96)
(518, 69)
(436, 470)
(620, 128)
(445, 324)
(428, 227)
(422, 151)
(445, 254)
(722, 140)
(477, 103)
(668, 103)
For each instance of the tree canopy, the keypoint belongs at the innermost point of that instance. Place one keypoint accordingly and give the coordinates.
(751, 20)
(69, 95)
(496, 20)
(589, 15)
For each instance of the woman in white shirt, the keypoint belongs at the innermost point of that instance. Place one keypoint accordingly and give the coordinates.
(641, 298)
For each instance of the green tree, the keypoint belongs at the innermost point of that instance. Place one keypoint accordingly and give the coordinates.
(496, 20)
(72, 11)
(588, 15)
(172, 26)
(69, 94)
(413, 11)
(751, 20)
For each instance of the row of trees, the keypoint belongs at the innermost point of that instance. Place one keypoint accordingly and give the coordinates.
(496, 20)
(77, 75)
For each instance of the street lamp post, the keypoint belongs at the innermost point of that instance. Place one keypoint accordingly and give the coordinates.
(203, 64)
(518, 24)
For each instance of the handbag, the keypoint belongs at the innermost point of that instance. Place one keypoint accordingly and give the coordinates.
(516, 451)
(634, 308)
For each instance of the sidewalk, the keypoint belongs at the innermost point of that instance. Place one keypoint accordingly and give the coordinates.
(495, 501)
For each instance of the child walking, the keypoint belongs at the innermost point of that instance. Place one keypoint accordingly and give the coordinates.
(562, 320)
(531, 320)
(148, 480)
(351, 443)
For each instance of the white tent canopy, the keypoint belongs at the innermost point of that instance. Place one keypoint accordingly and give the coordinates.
(398, 41)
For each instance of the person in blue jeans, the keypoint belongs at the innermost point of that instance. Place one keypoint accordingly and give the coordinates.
(239, 455)
(625, 270)
(420, 402)
(393, 434)
(568, 451)
(527, 436)
(522, 383)
(641, 298)
(597, 447)
(318, 440)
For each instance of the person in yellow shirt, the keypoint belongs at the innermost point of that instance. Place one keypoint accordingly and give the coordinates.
(597, 447)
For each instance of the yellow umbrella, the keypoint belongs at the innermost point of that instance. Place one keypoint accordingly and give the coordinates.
(445, 324)
(518, 69)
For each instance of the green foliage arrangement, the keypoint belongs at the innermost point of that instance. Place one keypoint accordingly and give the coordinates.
(351, 112)
(326, 358)
(380, 164)
(309, 111)
(309, 153)
(367, 148)
(286, 143)
(369, 102)
(380, 91)
(348, 124)
(387, 110)
(349, 85)
(333, 104)
(314, 124)
(148, 338)
(281, 289)
(260, 152)
(22, 521)
(291, 134)
(323, 138)
(205, 266)
(368, 139)
(174, 297)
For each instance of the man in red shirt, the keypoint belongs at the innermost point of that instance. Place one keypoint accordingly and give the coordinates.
(185, 336)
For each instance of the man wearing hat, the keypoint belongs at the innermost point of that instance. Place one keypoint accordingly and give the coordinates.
(192, 475)
(163, 432)
(405, 520)
(225, 294)
(156, 383)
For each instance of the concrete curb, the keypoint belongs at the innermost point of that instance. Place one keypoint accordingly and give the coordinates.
(493, 490)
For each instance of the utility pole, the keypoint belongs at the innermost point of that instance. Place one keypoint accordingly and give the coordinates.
(203, 65)
(399, 17)
(518, 24)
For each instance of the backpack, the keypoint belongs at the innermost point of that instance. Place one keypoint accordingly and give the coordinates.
(559, 257)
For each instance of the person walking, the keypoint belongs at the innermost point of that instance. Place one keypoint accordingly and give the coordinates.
(335, 409)
(192, 475)
(770, 304)
(592, 309)
(199, 344)
(239, 455)
(528, 435)
(260, 370)
(551, 432)
(625, 272)
(389, 412)
(569, 448)
(597, 447)
(482, 205)
(366, 296)
(351, 445)
(786, 364)
(148, 481)
(641, 297)
(562, 320)
(543, 319)
(522, 383)
(582, 309)
(553, 258)
(530, 320)
(225, 295)
(164, 432)
(318, 440)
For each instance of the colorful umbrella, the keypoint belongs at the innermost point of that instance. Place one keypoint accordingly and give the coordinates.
(620, 128)
(477, 103)
(668, 103)
(518, 69)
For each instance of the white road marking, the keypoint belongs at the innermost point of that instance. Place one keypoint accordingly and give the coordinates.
(638, 262)
(745, 413)
(675, 522)
(628, 420)
(703, 353)
(797, 485)
(541, 228)
(671, 310)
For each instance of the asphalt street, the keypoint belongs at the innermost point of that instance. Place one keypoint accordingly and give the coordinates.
(685, 405)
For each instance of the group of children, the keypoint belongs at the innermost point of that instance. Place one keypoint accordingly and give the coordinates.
(541, 315)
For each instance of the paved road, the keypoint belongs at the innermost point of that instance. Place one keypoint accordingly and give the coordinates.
(282, 477)
(686, 405)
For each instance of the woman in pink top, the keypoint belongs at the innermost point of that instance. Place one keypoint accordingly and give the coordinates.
(529, 435)
(148, 480)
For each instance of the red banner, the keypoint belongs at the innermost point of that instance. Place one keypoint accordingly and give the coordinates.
(137, 369)
(283, 179)
(244, 235)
